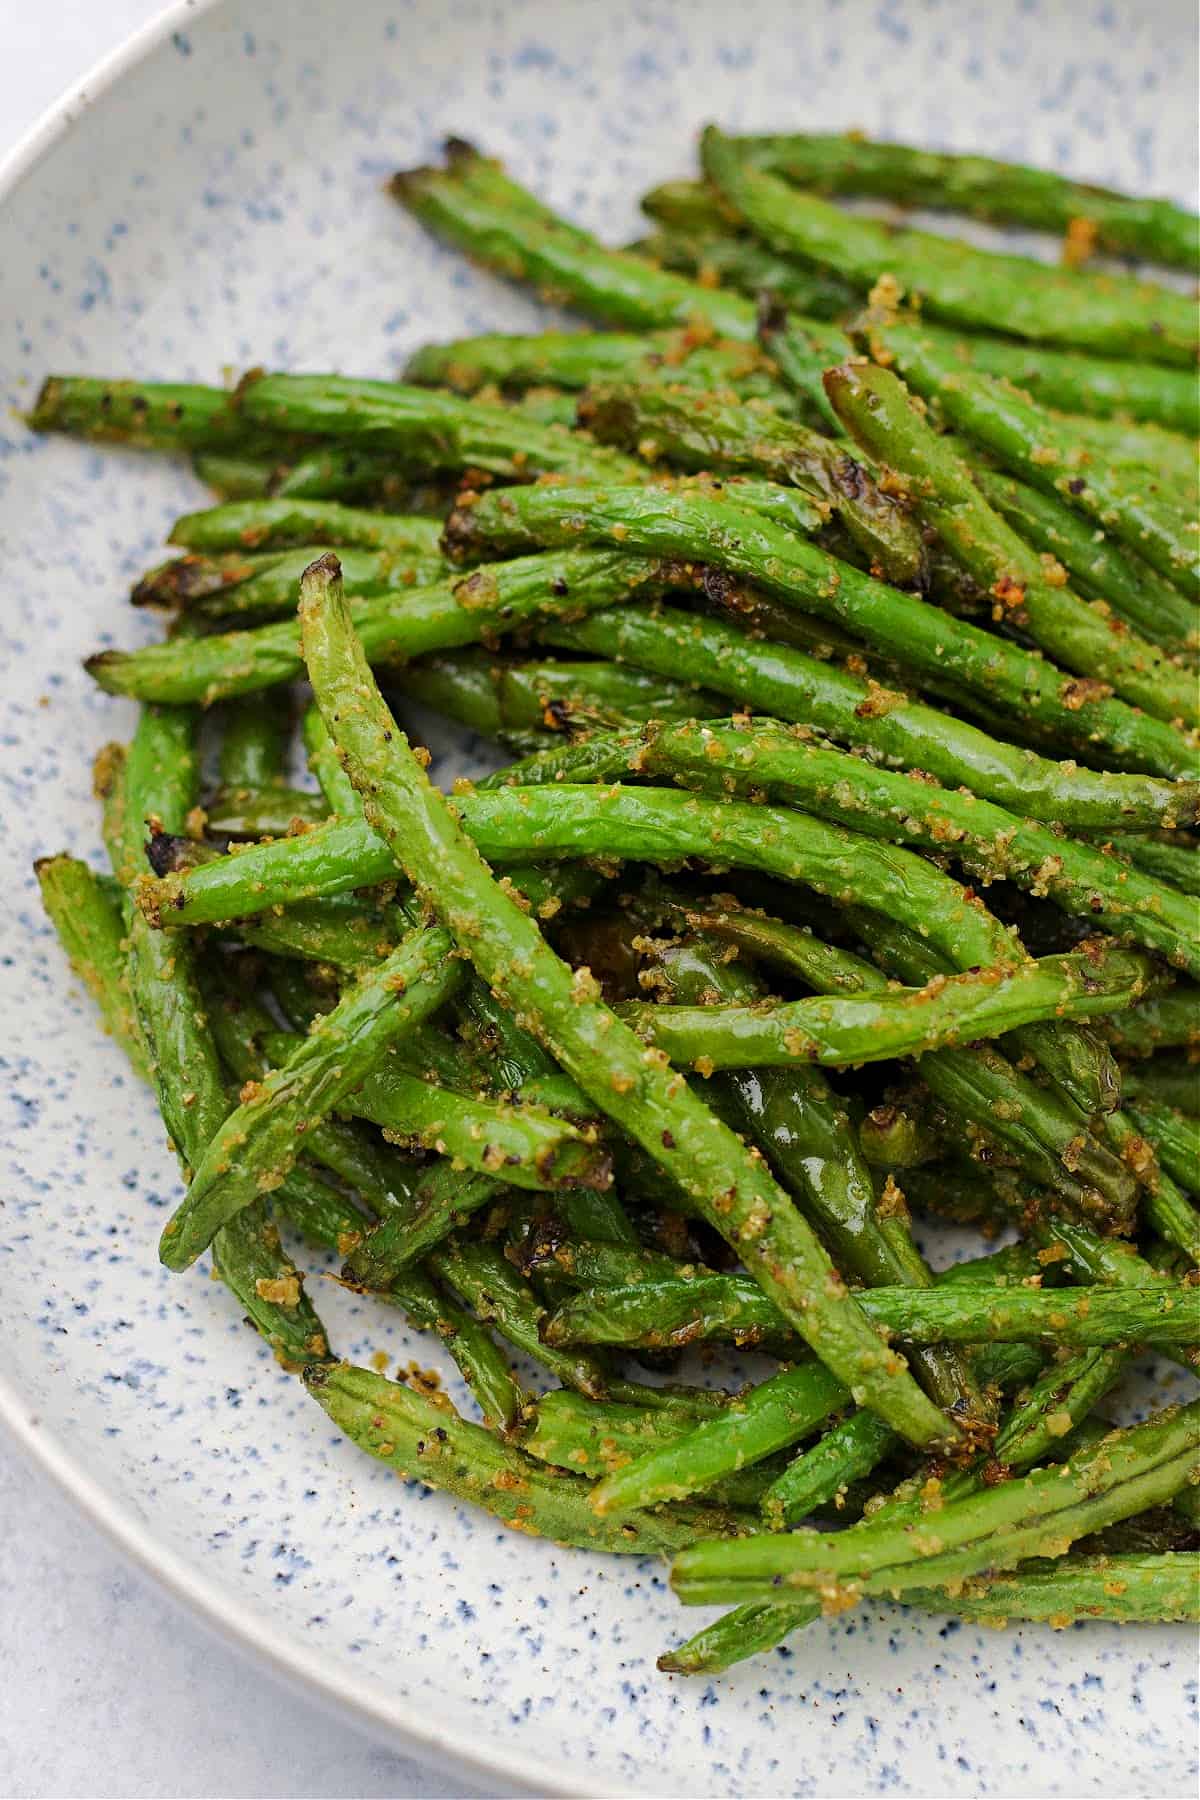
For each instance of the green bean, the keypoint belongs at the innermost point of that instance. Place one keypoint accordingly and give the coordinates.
(597, 1213)
(153, 415)
(1103, 387)
(240, 586)
(877, 409)
(700, 430)
(525, 1145)
(494, 1035)
(907, 1022)
(671, 1312)
(705, 529)
(1124, 1589)
(1187, 1504)
(246, 1036)
(155, 779)
(897, 1134)
(596, 756)
(1162, 1022)
(691, 206)
(590, 1437)
(984, 187)
(467, 695)
(473, 204)
(963, 1192)
(482, 1364)
(785, 507)
(1162, 455)
(569, 359)
(443, 1198)
(1177, 865)
(425, 430)
(520, 701)
(1057, 1406)
(576, 359)
(554, 1247)
(338, 931)
(803, 349)
(1075, 1057)
(257, 1144)
(1037, 1514)
(1174, 1135)
(91, 931)
(252, 812)
(342, 932)
(248, 1256)
(1043, 451)
(789, 685)
(394, 627)
(254, 742)
(158, 779)
(1099, 569)
(251, 525)
(719, 257)
(1128, 1589)
(515, 824)
(1172, 1081)
(336, 471)
(564, 1009)
(769, 1417)
(427, 1441)
(821, 966)
(802, 1128)
(317, 1208)
(951, 280)
(325, 766)
(500, 1397)
(1046, 1132)
(494, 1291)
(674, 1311)
(519, 824)
(1087, 1257)
(818, 1476)
(236, 475)
(1165, 1208)
(330, 859)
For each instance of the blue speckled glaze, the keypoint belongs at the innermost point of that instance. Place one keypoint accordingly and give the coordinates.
(220, 206)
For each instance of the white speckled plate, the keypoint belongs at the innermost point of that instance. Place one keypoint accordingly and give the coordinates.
(213, 198)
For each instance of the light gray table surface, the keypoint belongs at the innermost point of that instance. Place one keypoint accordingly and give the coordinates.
(107, 1688)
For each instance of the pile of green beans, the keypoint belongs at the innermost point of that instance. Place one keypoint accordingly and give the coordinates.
(848, 868)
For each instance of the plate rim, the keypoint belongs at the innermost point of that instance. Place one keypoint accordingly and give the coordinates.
(367, 1704)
